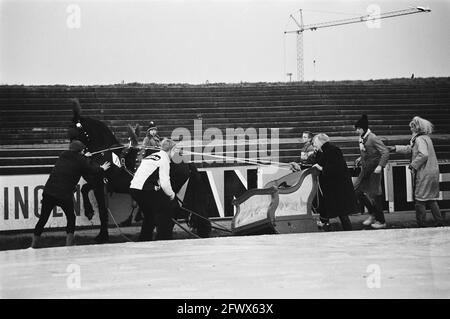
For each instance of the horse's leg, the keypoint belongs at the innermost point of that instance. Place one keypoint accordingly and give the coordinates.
(88, 209)
(99, 192)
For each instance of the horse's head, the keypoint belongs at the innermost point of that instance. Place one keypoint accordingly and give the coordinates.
(104, 146)
(93, 133)
(130, 154)
(133, 135)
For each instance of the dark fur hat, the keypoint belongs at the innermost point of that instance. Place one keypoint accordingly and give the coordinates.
(76, 146)
(363, 123)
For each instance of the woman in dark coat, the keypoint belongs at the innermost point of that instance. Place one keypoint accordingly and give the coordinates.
(336, 194)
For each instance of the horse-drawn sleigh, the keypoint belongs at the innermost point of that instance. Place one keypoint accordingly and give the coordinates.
(284, 205)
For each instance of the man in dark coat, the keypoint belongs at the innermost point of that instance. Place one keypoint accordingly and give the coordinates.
(336, 195)
(59, 188)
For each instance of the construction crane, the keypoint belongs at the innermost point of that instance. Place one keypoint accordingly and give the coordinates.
(364, 18)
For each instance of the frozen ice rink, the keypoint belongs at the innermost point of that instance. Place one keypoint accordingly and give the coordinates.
(401, 263)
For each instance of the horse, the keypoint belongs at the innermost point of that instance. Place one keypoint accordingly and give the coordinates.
(104, 146)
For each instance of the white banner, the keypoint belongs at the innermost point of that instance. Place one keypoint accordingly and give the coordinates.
(20, 204)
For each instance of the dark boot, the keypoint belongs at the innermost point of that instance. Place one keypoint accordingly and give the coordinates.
(36, 242)
(438, 218)
(324, 224)
(326, 227)
(346, 223)
(70, 240)
(102, 237)
(421, 214)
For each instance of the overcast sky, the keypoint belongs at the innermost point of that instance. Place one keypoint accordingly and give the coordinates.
(107, 42)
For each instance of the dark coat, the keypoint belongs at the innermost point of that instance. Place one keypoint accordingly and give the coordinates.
(68, 169)
(373, 153)
(336, 194)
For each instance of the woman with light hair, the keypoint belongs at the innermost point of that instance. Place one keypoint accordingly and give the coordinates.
(336, 195)
(424, 169)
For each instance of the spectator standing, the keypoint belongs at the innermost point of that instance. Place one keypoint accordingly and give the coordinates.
(336, 194)
(374, 157)
(424, 169)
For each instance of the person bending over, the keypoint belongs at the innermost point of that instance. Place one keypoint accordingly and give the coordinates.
(60, 186)
(336, 194)
(152, 190)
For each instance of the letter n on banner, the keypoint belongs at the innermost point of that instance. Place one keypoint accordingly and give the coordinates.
(237, 182)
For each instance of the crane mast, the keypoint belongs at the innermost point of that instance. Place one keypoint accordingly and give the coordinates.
(364, 18)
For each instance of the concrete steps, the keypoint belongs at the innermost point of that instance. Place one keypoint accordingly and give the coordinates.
(35, 159)
(40, 115)
(145, 102)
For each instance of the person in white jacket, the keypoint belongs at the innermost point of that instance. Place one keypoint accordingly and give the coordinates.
(152, 190)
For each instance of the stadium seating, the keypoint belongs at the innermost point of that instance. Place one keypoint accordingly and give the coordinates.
(34, 119)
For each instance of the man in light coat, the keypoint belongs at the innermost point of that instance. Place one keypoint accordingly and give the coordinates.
(374, 157)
